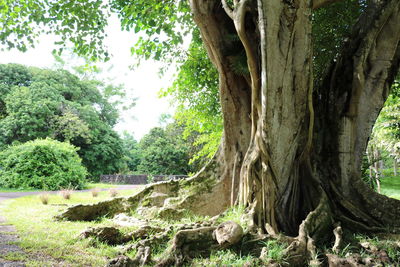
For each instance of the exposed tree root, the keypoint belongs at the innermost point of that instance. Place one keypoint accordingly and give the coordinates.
(338, 239)
(169, 199)
(189, 244)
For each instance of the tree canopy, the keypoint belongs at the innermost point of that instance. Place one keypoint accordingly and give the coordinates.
(40, 103)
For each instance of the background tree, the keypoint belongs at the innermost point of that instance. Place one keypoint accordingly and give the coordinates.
(39, 103)
(164, 151)
(132, 152)
(195, 90)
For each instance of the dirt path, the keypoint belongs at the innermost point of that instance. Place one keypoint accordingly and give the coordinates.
(8, 236)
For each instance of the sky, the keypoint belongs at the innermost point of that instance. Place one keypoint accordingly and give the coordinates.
(142, 82)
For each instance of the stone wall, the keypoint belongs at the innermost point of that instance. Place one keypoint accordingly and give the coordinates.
(137, 179)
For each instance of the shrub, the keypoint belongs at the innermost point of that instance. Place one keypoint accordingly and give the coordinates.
(41, 164)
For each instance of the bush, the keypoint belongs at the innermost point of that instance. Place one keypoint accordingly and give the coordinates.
(41, 164)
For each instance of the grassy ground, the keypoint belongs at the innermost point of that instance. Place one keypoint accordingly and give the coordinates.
(5, 190)
(88, 186)
(390, 186)
(56, 243)
(100, 185)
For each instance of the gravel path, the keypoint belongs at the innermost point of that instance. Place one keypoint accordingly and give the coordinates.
(8, 235)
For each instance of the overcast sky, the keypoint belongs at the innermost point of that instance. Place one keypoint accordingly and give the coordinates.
(142, 83)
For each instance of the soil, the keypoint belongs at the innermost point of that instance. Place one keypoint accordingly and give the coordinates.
(8, 238)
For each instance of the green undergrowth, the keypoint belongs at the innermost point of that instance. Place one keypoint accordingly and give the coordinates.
(390, 186)
(226, 258)
(57, 242)
(361, 244)
(233, 214)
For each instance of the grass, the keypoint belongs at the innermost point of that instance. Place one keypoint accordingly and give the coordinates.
(100, 185)
(88, 186)
(380, 242)
(57, 243)
(390, 186)
(5, 190)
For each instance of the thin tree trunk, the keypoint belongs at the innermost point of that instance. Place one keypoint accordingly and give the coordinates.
(394, 166)
(377, 170)
(370, 157)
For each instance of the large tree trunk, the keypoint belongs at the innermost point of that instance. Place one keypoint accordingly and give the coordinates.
(296, 145)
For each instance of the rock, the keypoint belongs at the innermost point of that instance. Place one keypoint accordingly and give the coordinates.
(355, 260)
(228, 233)
(124, 220)
(109, 235)
(336, 261)
(368, 246)
(383, 257)
(146, 231)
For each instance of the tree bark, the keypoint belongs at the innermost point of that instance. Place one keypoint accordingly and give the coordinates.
(296, 145)
(377, 169)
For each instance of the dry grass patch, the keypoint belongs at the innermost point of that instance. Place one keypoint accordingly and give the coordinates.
(95, 192)
(113, 192)
(66, 193)
(44, 198)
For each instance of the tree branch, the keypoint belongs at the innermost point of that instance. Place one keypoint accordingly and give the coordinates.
(321, 3)
(227, 9)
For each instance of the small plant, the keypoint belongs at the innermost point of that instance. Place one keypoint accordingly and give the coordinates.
(66, 193)
(150, 179)
(275, 251)
(229, 258)
(44, 198)
(113, 192)
(234, 214)
(95, 192)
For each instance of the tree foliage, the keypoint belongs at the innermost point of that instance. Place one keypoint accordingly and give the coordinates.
(132, 153)
(164, 151)
(195, 90)
(386, 132)
(80, 22)
(41, 164)
(40, 103)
